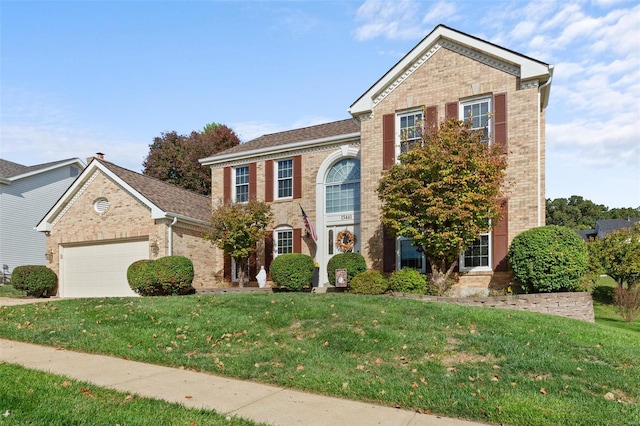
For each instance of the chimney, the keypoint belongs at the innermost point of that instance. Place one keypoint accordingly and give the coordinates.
(100, 155)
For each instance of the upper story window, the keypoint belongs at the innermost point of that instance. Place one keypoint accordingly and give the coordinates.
(478, 113)
(343, 186)
(285, 178)
(241, 187)
(410, 125)
(283, 240)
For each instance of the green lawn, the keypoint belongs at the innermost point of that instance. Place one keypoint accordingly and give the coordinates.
(605, 312)
(10, 291)
(496, 366)
(36, 398)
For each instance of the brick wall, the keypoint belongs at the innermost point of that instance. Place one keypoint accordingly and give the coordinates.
(570, 305)
(448, 77)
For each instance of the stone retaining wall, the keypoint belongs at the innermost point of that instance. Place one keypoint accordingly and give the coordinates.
(570, 305)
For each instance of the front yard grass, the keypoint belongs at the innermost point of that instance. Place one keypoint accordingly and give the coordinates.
(490, 365)
(37, 398)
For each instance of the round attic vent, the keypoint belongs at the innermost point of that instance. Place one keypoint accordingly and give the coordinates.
(101, 205)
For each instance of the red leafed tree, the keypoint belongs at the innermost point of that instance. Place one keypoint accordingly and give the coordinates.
(443, 194)
(174, 158)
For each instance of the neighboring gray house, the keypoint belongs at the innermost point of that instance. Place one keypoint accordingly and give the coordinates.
(26, 195)
(605, 227)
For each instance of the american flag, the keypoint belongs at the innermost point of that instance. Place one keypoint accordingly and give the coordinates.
(308, 226)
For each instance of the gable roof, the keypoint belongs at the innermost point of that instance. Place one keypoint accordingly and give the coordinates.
(605, 227)
(320, 134)
(526, 68)
(10, 171)
(163, 199)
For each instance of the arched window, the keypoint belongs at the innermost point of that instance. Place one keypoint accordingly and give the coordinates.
(343, 186)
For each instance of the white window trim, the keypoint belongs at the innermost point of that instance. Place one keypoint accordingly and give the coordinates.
(399, 115)
(276, 180)
(480, 99)
(284, 228)
(464, 268)
(399, 256)
(234, 184)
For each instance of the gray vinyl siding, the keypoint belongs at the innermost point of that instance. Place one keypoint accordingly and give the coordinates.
(23, 203)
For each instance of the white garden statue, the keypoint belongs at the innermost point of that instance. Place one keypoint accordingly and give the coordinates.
(261, 277)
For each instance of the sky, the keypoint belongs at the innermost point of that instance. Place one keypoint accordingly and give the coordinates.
(80, 77)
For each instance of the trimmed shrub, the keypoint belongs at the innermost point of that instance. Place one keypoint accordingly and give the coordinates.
(369, 282)
(34, 280)
(408, 280)
(354, 263)
(175, 274)
(293, 271)
(169, 275)
(548, 259)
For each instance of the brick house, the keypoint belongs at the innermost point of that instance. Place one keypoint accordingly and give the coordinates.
(110, 217)
(331, 170)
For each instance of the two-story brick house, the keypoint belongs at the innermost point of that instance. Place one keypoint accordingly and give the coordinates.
(332, 170)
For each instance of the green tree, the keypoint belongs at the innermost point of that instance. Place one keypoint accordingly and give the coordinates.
(574, 212)
(236, 228)
(618, 255)
(443, 194)
(175, 158)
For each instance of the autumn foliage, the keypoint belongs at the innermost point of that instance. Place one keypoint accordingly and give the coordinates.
(174, 158)
(443, 194)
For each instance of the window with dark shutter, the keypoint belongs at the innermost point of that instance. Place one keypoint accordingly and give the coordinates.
(297, 240)
(253, 190)
(388, 251)
(431, 125)
(451, 110)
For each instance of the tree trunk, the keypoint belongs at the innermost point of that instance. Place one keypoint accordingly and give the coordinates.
(440, 274)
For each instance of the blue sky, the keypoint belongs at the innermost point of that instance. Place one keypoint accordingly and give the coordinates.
(79, 77)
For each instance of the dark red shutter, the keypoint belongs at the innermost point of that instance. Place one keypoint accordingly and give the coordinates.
(226, 185)
(451, 110)
(388, 251)
(253, 189)
(431, 120)
(268, 251)
(501, 239)
(227, 268)
(500, 120)
(253, 271)
(388, 141)
(297, 176)
(268, 180)
(297, 240)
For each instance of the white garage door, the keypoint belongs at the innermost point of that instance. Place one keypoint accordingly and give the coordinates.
(99, 270)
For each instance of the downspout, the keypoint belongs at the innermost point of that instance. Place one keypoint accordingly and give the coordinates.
(539, 161)
(170, 236)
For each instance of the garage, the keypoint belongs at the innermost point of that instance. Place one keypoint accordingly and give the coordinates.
(99, 270)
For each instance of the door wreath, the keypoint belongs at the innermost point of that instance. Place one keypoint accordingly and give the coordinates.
(345, 240)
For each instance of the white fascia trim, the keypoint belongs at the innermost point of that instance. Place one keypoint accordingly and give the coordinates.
(183, 218)
(46, 223)
(280, 149)
(529, 69)
(77, 162)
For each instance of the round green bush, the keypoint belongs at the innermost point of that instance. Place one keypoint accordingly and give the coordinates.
(548, 259)
(369, 282)
(174, 274)
(169, 275)
(293, 271)
(354, 263)
(408, 280)
(35, 280)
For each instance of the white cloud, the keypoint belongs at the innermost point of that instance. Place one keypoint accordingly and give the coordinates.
(393, 20)
(439, 13)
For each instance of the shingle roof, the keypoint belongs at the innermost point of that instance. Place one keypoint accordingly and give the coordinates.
(605, 227)
(9, 169)
(167, 197)
(320, 131)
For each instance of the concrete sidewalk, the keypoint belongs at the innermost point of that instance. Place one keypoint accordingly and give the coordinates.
(258, 402)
